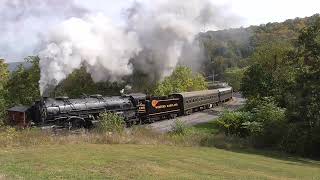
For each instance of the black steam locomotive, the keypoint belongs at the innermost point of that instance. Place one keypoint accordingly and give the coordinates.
(134, 108)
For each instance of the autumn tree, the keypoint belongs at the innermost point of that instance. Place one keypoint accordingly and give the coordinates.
(181, 80)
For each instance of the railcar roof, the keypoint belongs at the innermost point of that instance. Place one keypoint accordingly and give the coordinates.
(225, 89)
(18, 109)
(197, 93)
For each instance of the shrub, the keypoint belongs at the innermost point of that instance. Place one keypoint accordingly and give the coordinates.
(300, 141)
(254, 128)
(232, 123)
(270, 124)
(111, 122)
(179, 128)
(261, 121)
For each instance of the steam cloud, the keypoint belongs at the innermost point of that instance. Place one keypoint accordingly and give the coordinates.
(154, 39)
(21, 20)
(94, 42)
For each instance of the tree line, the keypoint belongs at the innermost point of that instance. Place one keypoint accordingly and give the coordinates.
(229, 52)
(282, 85)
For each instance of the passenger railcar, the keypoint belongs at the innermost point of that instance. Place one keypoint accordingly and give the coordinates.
(197, 100)
(225, 94)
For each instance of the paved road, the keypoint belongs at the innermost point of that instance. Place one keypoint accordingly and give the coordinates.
(200, 117)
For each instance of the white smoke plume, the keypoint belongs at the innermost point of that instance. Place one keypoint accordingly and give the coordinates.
(94, 42)
(152, 40)
(22, 20)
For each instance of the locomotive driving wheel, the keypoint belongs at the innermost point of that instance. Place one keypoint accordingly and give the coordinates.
(76, 123)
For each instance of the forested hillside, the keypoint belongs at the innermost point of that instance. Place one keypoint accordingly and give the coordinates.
(282, 85)
(233, 48)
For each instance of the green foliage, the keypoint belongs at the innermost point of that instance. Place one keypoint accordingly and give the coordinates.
(232, 123)
(80, 82)
(271, 73)
(307, 90)
(232, 48)
(233, 77)
(111, 122)
(225, 49)
(4, 75)
(23, 84)
(181, 80)
(302, 140)
(304, 111)
(265, 124)
(272, 121)
(179, 128)
(257, 82)
(290, 75)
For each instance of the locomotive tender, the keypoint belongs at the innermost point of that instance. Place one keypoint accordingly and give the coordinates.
(68, 113)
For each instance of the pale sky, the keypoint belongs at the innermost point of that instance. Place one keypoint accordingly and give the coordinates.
(253, 12)
(263, 11)
(19, 38)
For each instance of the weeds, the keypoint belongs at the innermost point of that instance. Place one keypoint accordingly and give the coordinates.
(111, 122)
(181, 136)
(179, 128)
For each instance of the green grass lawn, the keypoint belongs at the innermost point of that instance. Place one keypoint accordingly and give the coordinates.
(93, 161)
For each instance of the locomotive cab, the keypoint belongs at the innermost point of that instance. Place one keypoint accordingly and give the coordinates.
(19, 116)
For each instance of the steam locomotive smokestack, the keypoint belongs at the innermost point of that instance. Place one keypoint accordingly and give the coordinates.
(154, 39)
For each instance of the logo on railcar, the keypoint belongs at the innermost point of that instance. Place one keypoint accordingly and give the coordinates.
(155, 104)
